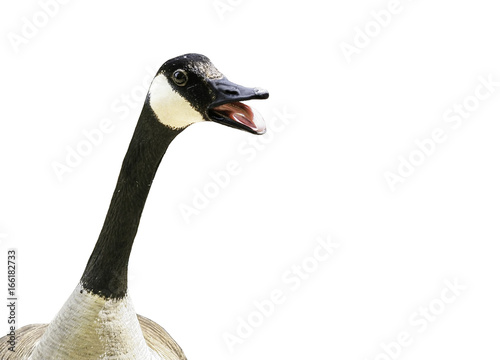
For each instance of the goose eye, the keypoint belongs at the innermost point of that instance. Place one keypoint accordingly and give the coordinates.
(180, 77)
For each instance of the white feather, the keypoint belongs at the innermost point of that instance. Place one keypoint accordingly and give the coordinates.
(169, 106)
(107, 329)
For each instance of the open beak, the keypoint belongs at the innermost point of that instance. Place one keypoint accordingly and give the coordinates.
(227, 108)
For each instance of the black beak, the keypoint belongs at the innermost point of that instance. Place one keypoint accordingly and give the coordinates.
(228, 110)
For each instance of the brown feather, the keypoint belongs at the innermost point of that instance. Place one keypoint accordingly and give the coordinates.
(26, 339)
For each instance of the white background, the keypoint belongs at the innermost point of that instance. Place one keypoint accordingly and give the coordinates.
(320, 175)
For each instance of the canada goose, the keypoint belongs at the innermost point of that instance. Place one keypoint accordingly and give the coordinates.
(98, 320)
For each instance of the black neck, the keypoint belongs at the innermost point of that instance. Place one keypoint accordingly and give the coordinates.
(106, 271)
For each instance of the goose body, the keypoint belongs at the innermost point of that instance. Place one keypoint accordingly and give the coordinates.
(98, 321)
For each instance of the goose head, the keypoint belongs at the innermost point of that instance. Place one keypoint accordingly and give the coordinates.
(189, 89)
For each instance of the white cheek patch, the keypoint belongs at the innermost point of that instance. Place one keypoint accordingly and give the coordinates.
(170, 108)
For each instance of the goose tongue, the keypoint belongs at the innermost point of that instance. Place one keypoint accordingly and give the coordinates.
(243, 115)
